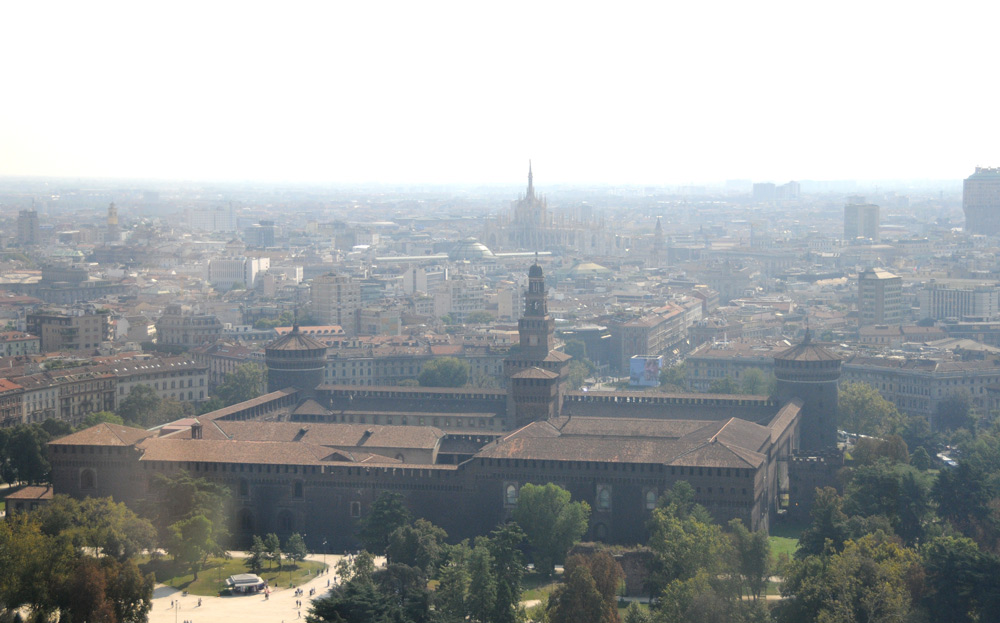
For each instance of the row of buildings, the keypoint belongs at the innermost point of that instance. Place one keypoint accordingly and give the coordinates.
(311, 457)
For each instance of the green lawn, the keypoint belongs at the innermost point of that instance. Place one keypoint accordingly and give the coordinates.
(783, 545)
(212, 578)
(538, 586)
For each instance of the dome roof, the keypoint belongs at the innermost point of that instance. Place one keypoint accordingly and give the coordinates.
(295, 341)
(469, 249)
(807, 351)
(535, 271)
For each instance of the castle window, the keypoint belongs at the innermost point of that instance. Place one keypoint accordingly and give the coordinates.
(246, 520)
(510, 495)
(650, 499)
(88, 479)
(297, 491)
(604, 498)
(355, 509)
(286, 523)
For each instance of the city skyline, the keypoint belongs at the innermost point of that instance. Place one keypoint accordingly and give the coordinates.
(449, 93)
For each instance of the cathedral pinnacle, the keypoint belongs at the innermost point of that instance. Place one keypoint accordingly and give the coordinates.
(531, 183)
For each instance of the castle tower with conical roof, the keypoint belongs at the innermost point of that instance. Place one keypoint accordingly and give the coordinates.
(295, 360)
(811, 373)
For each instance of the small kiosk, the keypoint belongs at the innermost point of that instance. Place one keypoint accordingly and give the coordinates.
(245, 583)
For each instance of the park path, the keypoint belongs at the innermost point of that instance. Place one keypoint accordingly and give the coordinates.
(280, 608)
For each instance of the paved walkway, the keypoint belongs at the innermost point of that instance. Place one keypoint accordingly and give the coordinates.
(242, 609)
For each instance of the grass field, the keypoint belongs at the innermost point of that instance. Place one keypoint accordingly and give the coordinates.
(212, 578)
(783, 545)
(538, 586)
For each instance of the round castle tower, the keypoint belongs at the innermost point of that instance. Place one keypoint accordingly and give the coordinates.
(810, 372)
(295, 360)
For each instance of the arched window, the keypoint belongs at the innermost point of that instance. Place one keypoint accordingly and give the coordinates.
(604, 498)
(286, 522)
(297, 489)
(244, 488)
(650, 499)
(246, 520)
(88, 479)
(510, 495)
(600, 532)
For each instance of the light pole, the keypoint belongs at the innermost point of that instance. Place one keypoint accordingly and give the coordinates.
(324, 552)
(177, 606)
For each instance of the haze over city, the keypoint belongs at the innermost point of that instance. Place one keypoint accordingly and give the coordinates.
(638, 93)
(557, 312)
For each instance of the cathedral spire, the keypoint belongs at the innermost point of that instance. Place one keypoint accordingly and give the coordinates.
(531, 182)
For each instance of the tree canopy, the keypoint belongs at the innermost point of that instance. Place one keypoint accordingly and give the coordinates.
(551, 521)
(386, 514)
(444, 372)
(246, 382)
(864, 411)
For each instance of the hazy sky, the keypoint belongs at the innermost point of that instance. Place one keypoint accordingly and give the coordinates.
(654, 92)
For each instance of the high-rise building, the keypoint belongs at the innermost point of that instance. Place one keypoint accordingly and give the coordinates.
(981, 201)
(335, 301)
(880, 297)
(114, 234)
(861, 220)
(27, 228)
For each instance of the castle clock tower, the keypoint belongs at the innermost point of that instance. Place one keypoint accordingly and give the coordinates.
(535, 371)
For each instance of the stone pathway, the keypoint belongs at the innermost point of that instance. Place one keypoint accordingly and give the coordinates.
(280, 608)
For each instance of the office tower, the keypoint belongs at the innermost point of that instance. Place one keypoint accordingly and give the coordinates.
(861, 220)
(880, 297)
(981, 201)
(27, 228)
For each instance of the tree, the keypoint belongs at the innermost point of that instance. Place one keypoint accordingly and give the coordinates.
(960, 580)
(868, 581)
(273, 548)
(452, 594)
(140, 406)
(180, 497)
(192, 541)
(99, 417)
(420, 545)
(244, 383)
(256, 555)
(635, 614)
(479, 317)
(387, 514)
(100, 524)
(22, 454)
(508, 571)
(577, 600)
(577, 374)
(753, 561)
(829, 524)
(295, 548)
(755, 382)
(920, 459)
(686, 546)
(551, 522)
(864, 411)
(482, 594)
(954, 411)
(725, 385)
(577, 349)
(674, 378)
(590, 590)
(444, 372)
(130, 592)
